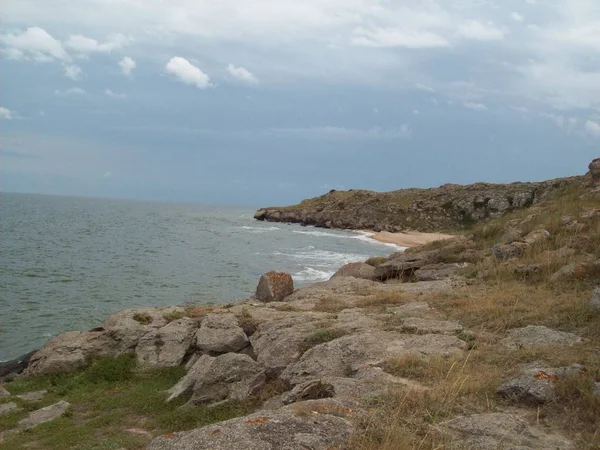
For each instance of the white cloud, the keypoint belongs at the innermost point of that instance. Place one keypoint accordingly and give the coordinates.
(520, 109)
(107, 175)
(82, 44)
(422, 87)
(112, 94)
(475, 106)
(516, 16)
(416, 112)
(6, 113)
(70, 91)
(241, 74)
(127, 65)
(188, 73)
(593, 128)
(34, 43)
(397, 37)
(73, 72)
(475, 30)
(404, 131)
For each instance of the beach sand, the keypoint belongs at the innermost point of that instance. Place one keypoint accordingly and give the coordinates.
(408, 239)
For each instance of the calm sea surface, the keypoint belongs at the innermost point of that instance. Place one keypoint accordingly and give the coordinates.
(68, 262)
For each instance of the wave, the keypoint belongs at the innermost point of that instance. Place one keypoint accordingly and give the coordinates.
(310, 274)
(257, 229)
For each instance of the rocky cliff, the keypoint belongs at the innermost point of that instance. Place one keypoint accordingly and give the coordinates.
(450, 206)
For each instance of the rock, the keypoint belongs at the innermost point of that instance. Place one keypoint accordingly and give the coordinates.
(536, 236)
(403, 266)
(426, 326)
(528, 270)
(5, 408)
(565, 273)
(535, 336)
(499, 430)
(410, 309)
(15, 366)
(594, 173)
(510, 235)
(356, 270)
(580, 271)
(504, 252)
(309, 390)
(274, 287)
(3, 392)
(43, 415)
(589, 215)
(220, 333)
(431, 272)
(285, 428)
(166, 346)
(536, 386)
(594, 304)
(227, 377)
(35, 396)
(597, 389)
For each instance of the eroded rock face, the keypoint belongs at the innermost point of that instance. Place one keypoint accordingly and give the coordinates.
(356, 270)
(536, 335)
(284, 428)
(274, 287)
(166, 346)
(220, 333)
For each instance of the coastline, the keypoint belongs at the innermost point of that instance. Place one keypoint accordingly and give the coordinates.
(407, 239)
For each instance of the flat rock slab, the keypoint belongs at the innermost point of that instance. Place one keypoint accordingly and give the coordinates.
(5, 408)
(35, 396)
(220, 333)
(284, 428)
(536, 336)
(43, 415)
(426, 326)
(4, 392)
(499, 431)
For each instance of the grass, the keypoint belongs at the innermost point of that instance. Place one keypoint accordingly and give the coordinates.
(376, 260)
(173, 315)
(107, 398)
(143, 318)
(247, 322)
(330, 304)
(382, 298)
(320, 337)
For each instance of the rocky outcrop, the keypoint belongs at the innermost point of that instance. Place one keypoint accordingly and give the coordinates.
(220, 333)
(536, 336)
(9, 369)
(594, 172)
(166, 346)
(447, 207)
(274, 287)
(356, 270)
(43, 415)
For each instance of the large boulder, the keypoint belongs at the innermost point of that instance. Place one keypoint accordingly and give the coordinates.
(302, 426)
(220, 333)
(505, 252)
(536, 336)
(274, 286)
(166, 346)
(356, 270)
(402, 266)
(213, 380)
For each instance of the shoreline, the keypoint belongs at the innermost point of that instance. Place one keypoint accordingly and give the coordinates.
(404, 240)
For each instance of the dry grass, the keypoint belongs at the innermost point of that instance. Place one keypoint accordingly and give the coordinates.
(247, 322)
(284, 307)
(330, 304)
(382, 298)
(198, 312)
(376, 260)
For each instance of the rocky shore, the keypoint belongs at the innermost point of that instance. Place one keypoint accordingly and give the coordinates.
(483, 341)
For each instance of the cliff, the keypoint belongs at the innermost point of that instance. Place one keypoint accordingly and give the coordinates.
(447, 207)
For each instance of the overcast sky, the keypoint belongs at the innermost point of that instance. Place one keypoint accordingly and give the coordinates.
(267, 102)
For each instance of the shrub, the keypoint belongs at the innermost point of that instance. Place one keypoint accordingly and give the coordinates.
(143, 318)
(173, 315)
(320, 337)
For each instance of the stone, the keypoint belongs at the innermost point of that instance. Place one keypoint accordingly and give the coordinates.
(536, 386)
(536, 236)
(3, 392)
(536, 336)
(356, 270)
(432, 272)
(499, 430)
(597, 389)
(594, 172)
(505, 252)
(43, 415)
(227, 377)
(166, 346)
(220, 333)
(9, 369)
(410, 309)
(274, 287)
(35, 396)
(403, 265)
(528, 270)
(594, 304)
(510, 235)
(585, 270)
(286, 428)
(309, 390)
(430, 326)
(5, 408)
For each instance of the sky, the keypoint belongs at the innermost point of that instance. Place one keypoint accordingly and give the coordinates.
(267, 102)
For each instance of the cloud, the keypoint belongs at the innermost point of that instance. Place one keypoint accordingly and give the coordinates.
(70, 91)
(6, 113)
(397, 37)
(188, 73)
(241, 74)
(593, 128)
(520, 109)
(112, 94)
(107, 175)
(83, 44)
(516, 16)
(404, 131)
(127, 65)
(422, 87)
(475, 106)
(73, 72)
(475, 30)
(34, 43)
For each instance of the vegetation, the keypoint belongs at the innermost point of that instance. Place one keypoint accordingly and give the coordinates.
(144, 319)
(376, 260)
(320, 337)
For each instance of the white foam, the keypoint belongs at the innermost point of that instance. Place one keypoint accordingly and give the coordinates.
(310, 274)
(322, 234)
(258, 229)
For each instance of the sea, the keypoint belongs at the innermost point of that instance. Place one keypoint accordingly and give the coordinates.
(66, 263)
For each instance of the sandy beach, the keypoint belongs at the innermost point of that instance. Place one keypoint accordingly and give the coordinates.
(408, 239)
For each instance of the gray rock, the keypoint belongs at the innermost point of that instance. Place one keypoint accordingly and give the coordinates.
(595, 301)
(528, 270)
(594, 173)
(536, 386)
(426, 326)
(410, 309)
(356, 270)
(220, 333)
(282, 429)
(499, 431)
(35, 396)
(536, 236)
(4, 392)
(402, 266)
(565, 273)
(227, 377)
(166, 346)
(535, 336)
(5, 408)
(432, 272)
(43, 415)
(597, 388)
(511, 235)
(505, 252)
(274, 286)
(309, 390)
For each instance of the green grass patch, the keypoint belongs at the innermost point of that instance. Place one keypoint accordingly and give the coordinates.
(320, 337)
